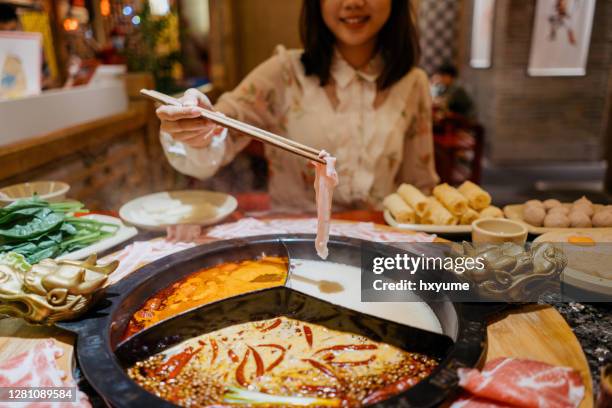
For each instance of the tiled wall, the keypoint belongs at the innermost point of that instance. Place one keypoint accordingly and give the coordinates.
(438, 22)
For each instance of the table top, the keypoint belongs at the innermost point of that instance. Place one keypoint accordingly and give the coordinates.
(533, 332)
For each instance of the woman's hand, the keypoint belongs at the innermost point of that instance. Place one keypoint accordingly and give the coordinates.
(185, 124)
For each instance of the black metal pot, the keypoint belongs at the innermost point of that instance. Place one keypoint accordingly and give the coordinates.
(102, 358)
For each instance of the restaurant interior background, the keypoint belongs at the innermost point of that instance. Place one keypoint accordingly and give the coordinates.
(528, 132)
(530, 136)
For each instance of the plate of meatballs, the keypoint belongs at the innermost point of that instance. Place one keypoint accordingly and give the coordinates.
(553, 215)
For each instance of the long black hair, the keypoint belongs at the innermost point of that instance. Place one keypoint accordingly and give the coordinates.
(397, 43)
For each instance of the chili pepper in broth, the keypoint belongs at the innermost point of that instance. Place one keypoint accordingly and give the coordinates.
(215, 350)
(345, 347)
(240, 378)
(259, 364)
(308, 335)
(278, 359)
(274, 325)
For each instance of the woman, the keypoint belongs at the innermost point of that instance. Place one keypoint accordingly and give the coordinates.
(354, 91)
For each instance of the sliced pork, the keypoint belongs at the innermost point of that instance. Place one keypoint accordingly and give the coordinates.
(511, 382)
(37, 368)
(326, 179)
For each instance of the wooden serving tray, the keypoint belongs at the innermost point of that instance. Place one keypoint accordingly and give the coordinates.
(532, 332)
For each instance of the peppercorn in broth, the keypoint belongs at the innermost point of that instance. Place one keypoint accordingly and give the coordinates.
(280, 361)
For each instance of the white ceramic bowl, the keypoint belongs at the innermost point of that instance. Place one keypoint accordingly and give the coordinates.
(47, 190)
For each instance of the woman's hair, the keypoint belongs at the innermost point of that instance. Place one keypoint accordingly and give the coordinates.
(397, 43)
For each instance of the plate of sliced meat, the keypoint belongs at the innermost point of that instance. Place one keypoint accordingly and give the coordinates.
(511, 382)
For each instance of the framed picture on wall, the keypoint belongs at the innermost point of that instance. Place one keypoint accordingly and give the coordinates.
(20, 64)
(482, 33)
(561, 37)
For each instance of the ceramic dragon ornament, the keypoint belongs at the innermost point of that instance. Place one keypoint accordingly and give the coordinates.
(513, 272)
(51, 290)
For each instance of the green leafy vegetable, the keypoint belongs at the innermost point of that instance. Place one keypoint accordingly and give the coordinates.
(36, 229)
(15, 261)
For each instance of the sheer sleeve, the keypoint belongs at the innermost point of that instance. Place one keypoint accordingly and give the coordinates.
(418, 166)
(257, 100)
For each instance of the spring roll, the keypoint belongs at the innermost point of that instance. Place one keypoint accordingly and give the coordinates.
(476, 196)
(400, 210)
(491, 212)
(448, 196)
(468, 217)
(436, 214)
(413, 197)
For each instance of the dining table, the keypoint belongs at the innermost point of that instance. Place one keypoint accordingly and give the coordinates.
(528, 331)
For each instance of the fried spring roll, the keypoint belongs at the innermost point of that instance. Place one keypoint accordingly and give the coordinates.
(448, 196)
(436, 214)
(468, 217)
(491, 212)
(400, 210)
(476, 196)
(413, 197)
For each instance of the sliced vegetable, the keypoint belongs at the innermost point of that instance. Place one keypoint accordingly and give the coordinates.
(237, 395)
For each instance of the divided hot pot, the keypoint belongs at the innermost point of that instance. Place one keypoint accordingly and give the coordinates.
(104, 354)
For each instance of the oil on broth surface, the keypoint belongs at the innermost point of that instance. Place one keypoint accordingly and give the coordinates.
(209, 285)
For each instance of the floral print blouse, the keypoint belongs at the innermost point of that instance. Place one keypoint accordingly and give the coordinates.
(380, 138)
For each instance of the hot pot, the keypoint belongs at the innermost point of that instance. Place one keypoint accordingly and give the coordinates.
(103, 356)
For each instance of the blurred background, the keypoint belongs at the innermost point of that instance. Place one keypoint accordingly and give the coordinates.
(500, 119)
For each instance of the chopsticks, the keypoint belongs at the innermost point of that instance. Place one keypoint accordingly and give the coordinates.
(249, 130)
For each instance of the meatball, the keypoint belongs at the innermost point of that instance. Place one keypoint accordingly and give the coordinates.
(536, 203)
(603, 219)
(560, 210)
(534, 215)
(556, 220)
(583, 201)
(583, 208)
(579, 220)
(551, 202)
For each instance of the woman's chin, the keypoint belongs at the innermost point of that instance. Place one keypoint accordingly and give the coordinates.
(356, 39)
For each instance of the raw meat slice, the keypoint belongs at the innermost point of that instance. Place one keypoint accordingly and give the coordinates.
(326, 179)
(37, 368)
(363, 230)
(474, 402)
(140, 253)
(522, 383)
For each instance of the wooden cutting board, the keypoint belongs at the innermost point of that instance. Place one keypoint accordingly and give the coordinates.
(539, 333)
(532, 332)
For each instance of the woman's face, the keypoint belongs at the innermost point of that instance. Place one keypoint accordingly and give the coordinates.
(355, 22)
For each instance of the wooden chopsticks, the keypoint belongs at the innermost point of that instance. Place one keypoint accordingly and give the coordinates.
(249, 130)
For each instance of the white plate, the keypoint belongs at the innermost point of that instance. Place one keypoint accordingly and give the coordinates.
(428, 228)
(194, 207)
(587, 282)
(123, 234)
